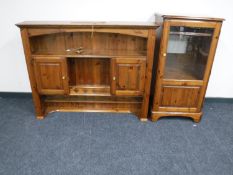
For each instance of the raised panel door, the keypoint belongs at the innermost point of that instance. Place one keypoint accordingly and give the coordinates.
(128, 76)
(51, 75)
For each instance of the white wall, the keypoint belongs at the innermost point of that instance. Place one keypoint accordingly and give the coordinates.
(13, 74)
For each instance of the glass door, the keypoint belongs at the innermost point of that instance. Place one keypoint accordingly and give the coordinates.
(187, 52)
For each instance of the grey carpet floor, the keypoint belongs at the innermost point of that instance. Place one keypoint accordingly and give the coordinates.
(106, 144)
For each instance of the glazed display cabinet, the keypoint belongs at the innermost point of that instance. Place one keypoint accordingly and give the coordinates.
(89, 67)
(184, 63)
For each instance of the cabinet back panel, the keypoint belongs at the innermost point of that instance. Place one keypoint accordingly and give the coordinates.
(89, 71)
(58, 43)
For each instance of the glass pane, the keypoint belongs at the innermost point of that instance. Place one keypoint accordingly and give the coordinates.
(187, 52)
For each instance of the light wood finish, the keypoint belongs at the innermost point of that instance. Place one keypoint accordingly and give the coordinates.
(90, 67)
(182, 77)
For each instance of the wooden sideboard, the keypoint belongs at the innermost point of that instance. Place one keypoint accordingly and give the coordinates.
(88, 66)
(183, 65)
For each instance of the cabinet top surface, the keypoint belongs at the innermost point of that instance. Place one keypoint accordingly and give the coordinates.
(192, 18)
(82, 24)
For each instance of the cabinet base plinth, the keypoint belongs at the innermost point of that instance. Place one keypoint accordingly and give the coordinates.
(155, 116)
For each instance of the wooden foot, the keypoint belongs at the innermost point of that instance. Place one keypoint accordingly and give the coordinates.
(195, 116)
(143, 119)
(155, 118)
(40, 117)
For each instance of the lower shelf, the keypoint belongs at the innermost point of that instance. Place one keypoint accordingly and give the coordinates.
(93, 104)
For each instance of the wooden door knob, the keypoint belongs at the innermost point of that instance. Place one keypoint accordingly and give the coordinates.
(114, 78)
(63, 77)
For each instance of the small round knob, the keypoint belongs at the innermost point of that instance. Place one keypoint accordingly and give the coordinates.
(114, 78)
(63, 77)
(164, 54)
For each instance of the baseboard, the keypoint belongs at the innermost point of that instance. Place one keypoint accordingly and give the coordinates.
(15, 95)
(218, 100)
(29, 95)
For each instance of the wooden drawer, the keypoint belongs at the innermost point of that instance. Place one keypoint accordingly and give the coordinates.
(180, 96)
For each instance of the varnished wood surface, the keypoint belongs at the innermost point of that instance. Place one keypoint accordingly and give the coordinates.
(193, 18)
(181, 82)
(87, 24)
(155, 116)
(125, 31)
(128, 76)
(81, 61)
(88, 44)
(89, 71)
(94, 54)
(149, 66)
(94, 98)
(51, 75)
(90, 90)
(38, 103)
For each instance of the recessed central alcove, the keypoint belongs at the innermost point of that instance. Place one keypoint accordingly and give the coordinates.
(89, 76)
(88, 44)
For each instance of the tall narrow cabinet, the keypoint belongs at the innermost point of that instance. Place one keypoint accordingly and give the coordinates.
(184, 63)
(89, 66)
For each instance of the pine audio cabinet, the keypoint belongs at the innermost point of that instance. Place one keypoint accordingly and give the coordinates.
(184, 61)
(89, 67)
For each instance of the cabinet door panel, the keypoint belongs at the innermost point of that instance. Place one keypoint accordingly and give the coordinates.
(51, 75)
(128, 76)
(179, 96)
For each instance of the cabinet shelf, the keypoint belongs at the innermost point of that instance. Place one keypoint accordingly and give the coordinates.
(94, 53)
(190, 33)
(93, 99)
(183, 67)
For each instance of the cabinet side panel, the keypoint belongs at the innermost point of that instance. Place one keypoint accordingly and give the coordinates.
(160, 67)
(27, 51)
(150, 59)
(209, 63)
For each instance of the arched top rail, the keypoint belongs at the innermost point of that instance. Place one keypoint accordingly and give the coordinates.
(44, 31)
